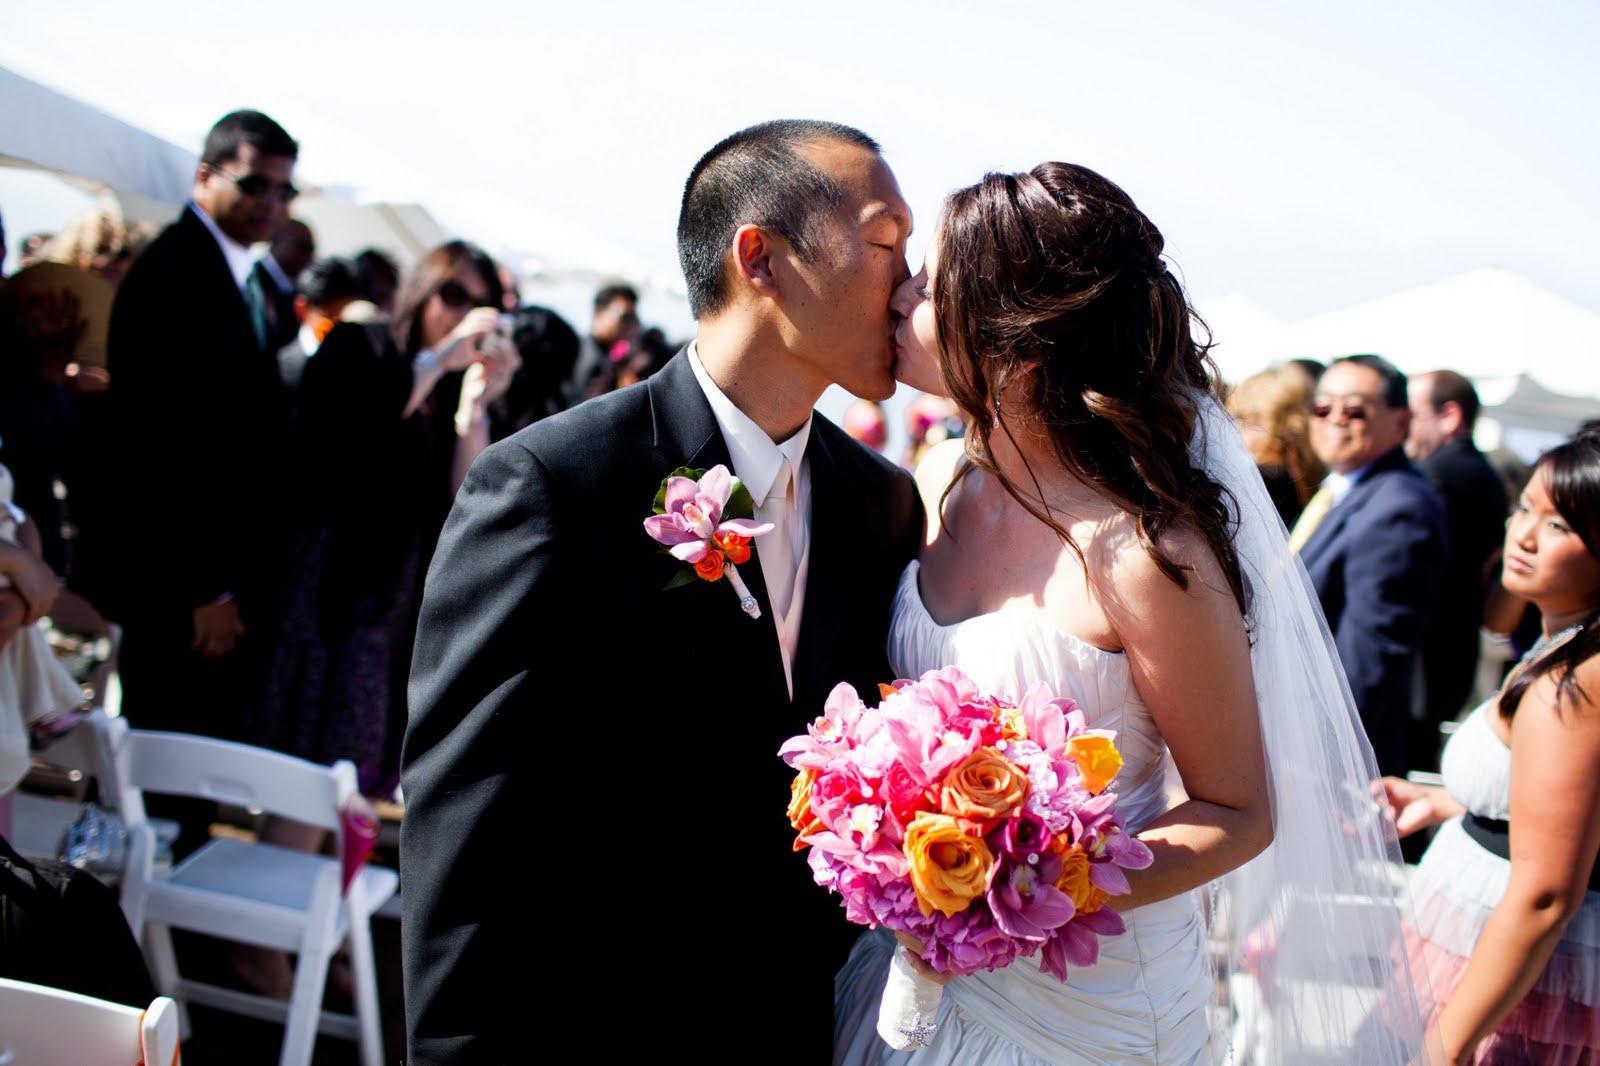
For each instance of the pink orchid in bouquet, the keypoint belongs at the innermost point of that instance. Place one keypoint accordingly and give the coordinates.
(706, 518)
(984, 829)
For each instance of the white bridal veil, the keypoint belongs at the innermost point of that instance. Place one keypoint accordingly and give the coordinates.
(1307, 936)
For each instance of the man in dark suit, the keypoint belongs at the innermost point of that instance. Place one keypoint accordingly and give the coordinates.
(1373, 540)
(200, 416)
(1444, 410)
(559, 688)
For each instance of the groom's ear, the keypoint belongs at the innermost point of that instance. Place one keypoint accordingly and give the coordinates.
(752, 259)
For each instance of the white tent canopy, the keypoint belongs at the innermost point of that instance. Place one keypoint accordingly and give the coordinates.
(1534, 356)
(46, 130)
(1485, 324)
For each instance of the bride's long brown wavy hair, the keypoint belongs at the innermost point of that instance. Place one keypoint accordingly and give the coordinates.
(1051, 292)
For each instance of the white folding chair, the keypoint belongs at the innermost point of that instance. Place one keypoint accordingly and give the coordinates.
(249, 892)
(42, 1026)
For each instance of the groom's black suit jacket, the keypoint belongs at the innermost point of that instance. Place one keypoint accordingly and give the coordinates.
(595, 840)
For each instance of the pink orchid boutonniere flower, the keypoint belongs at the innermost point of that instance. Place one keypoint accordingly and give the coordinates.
(706, 519)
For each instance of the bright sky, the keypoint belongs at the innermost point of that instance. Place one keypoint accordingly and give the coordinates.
(1305, 155)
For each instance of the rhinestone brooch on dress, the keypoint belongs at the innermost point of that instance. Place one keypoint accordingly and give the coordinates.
(918, 1033)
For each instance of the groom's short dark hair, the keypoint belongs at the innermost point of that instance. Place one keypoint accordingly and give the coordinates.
(756, 176)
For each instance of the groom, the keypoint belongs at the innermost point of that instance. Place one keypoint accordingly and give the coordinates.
(594, 845)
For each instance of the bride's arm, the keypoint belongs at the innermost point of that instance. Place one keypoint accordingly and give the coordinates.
(1189, 658)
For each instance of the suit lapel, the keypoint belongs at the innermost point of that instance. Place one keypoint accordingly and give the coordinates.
(229, 300)
(1339, 516)
(686, 434)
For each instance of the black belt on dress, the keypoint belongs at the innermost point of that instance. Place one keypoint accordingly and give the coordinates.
(1494, 836)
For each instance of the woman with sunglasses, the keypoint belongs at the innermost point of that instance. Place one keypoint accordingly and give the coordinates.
(1507, 897)
(388, 417)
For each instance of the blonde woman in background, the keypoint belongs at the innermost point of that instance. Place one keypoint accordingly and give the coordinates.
(101, 242)
(1273, 412)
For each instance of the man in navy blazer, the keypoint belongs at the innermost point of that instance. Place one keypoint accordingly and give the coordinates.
(1374, 543)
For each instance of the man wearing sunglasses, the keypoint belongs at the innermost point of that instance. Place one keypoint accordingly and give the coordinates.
(200, 414)
(1373, 540)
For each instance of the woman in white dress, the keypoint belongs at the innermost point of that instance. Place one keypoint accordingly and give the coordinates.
(1507, 923)
(1086, 536)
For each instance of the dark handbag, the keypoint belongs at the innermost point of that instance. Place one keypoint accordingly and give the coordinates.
(61, 928)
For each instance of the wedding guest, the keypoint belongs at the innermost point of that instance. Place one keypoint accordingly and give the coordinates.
(385, 415)
(930, 420)
(37, 421)
(548, 348)
(325, 289)
(380, 278)
(864, 420)
(201, 418)
(511, 295)
(32, 249)
(642, 356)
(1373, 540)
(1507, 897)
(1273, 412)
(616, 319)
(1310, 368)
(100, 241)
(1444, 410)
(292, 250)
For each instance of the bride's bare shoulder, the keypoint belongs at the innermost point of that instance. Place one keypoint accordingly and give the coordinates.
(1124, 562)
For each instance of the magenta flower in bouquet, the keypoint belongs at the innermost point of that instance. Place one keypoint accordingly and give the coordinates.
(984, 829)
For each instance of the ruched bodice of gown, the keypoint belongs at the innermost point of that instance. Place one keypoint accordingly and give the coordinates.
(1145, 1000)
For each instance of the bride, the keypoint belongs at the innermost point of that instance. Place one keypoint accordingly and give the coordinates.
(1104, 530)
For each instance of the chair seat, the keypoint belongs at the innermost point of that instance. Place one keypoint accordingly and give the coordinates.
(261, 872)
(272, 875)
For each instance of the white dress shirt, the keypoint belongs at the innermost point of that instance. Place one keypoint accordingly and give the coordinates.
(785, 501)
(241, 260)
(1340, 485)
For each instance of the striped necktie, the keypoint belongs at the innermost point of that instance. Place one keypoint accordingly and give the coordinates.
(1317, 509)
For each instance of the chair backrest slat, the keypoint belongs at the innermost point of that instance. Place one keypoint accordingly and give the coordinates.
(219, 770)
(39, 1024)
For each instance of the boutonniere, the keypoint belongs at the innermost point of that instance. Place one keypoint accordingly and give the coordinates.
(706, 518)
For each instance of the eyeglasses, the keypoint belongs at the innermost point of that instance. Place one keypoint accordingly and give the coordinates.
(455, 296)
(256, 185)
(1355, 408)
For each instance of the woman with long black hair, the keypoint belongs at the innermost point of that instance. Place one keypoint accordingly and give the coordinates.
(1507, 924)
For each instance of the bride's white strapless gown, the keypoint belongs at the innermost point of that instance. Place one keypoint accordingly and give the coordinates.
(1145, 999)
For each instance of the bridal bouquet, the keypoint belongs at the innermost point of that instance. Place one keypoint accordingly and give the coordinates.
(981, 828)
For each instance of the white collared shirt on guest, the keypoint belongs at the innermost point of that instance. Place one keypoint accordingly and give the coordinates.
(1341, 484)
(757, 462)
(241, 260)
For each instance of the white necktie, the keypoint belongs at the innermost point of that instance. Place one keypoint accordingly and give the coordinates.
(778, 547)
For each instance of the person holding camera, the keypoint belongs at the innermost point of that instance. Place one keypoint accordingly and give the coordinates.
(388, 416)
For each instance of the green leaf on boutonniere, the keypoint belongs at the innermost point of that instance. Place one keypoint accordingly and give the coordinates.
(680, 579)
(740, 504)
(692, 473)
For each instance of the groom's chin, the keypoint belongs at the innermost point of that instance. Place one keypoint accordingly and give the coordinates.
(876, 391)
